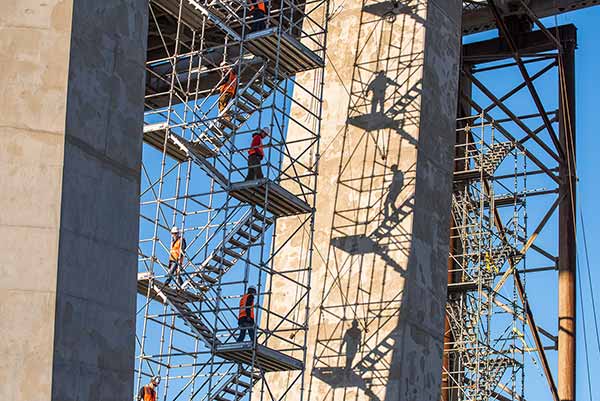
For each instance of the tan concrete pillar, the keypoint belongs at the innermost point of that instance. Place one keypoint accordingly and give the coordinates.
(70, 150)
(379, 275)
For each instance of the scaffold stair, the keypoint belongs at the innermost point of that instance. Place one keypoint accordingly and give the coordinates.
(178, 301)
(232, 248)
(375, 356)
(492, 159)
(181, 150)
(223, 14)
(236, 387)
(248, 100)
(492, 372)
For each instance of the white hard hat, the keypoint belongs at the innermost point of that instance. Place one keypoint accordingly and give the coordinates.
(223, 63)
(156, 380)
(252, 288)
(175, 230)
(266, 130)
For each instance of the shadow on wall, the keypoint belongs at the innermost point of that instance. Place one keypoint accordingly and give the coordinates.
(363, 350)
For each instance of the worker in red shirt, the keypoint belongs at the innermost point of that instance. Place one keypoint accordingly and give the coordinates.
(256, 154)
(227, 89)
(246, 315)
(258, 10)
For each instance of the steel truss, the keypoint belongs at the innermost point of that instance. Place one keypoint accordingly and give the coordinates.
(513, 184)
(193, 177)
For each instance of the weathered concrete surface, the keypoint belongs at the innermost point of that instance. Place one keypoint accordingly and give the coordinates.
(70, 149)
(383, 205)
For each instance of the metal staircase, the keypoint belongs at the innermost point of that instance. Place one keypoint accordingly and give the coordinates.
(178, 301)
(494, 156)
(249, 98)
(236, 386)
(231, 249)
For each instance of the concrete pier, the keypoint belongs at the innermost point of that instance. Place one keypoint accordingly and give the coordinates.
(70, 149)
(376, 312)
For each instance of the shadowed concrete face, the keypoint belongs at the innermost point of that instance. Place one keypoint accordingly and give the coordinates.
(72, 101)
(376, 310)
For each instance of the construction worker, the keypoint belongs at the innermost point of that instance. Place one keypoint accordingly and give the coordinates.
(256, 154)
(246, 315)
(176, 256)
(259, 13)
(389, 205)
(148, 392)
(227, 90)
(377, 88)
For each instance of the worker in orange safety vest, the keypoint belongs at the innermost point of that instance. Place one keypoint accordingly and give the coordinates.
(256, 153)
(227, 89)
(246, 315)
(176, 256)
(148, 392)
(259, 14)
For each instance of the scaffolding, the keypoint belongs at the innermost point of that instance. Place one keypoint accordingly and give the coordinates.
(195, 177)
(513, 187)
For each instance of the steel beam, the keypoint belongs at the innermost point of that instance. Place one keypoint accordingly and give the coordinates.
(480, 18)
(529, 44)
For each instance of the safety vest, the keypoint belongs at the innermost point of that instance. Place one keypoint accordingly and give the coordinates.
(261, 6)
(230, 84)
(176, 249)
(243, 307)
(149, 394)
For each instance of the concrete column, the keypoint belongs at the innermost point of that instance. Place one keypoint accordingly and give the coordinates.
(376, 326)
(70, 149)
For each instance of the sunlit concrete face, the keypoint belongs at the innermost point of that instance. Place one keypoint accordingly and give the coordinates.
(376, 309)
(70, 150)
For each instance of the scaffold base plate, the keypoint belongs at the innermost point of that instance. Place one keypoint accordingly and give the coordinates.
(279, 200)
(267, 359)
(294, 57)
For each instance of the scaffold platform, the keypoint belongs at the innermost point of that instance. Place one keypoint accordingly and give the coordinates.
(279, 201)
(469, 175)
(266, 359)
(461, 288)
(159, 290)
(177, 147)
(272, 44)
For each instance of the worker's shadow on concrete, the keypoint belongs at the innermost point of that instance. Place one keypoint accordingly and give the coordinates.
(390, 10)
(381, 240)
(397, 116)
(339, 377)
